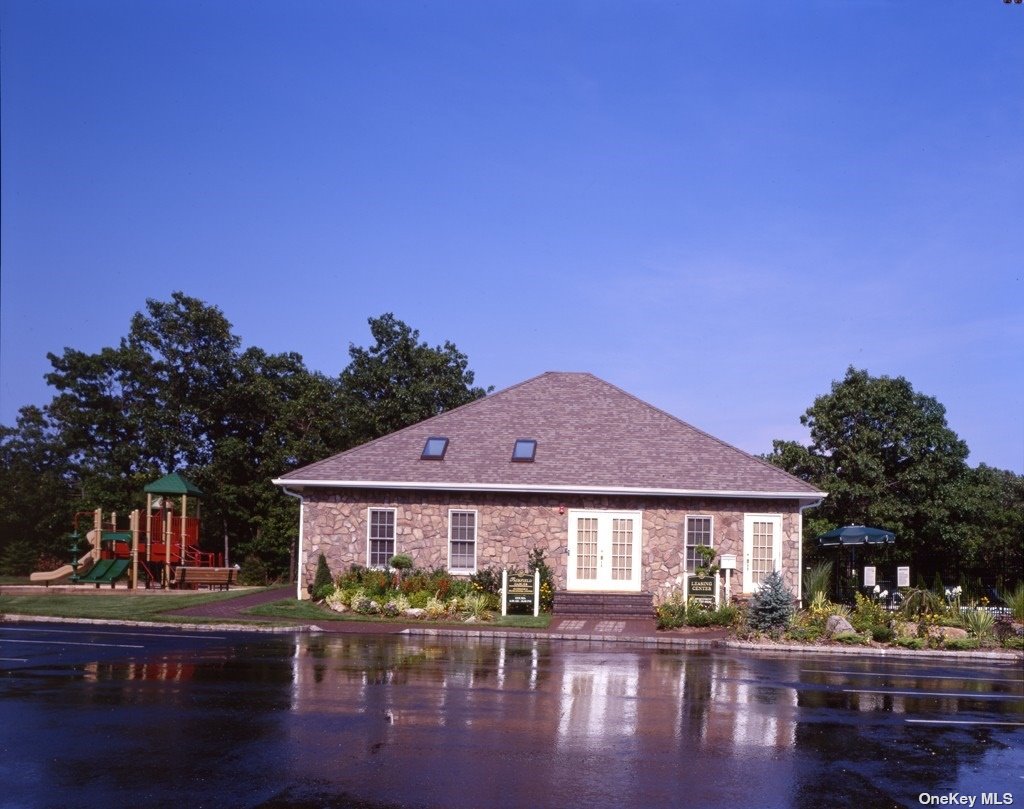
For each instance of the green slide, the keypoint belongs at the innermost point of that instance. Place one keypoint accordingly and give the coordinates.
(98, 571)
(106, 571)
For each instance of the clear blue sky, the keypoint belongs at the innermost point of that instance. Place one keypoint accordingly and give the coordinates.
(715, 205)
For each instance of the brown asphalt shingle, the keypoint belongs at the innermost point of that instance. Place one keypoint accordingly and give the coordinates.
(590, 435)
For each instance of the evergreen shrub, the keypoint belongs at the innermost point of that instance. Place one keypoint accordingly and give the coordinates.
(323, 584)
(771, 608)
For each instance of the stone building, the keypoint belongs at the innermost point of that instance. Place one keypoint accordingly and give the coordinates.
(617, 493)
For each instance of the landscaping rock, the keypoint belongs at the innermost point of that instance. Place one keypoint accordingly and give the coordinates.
(837, 624)
(947, 632)
(414, 612)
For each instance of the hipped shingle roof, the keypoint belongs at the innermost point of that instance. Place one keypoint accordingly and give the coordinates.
(591, 436)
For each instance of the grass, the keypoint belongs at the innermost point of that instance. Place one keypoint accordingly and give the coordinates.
(292, 609)
(153, 607)
(119, 607)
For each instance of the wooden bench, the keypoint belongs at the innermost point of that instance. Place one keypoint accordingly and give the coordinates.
(195, 577)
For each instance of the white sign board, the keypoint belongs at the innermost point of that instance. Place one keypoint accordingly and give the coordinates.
(869, 576)
(903, 577)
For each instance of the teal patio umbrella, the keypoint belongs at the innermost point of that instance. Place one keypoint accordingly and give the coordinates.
(856, 535)
(851, 536)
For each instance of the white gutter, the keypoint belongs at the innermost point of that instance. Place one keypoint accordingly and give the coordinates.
(540, 489)
(300, 591)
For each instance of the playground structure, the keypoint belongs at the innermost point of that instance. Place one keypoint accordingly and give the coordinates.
(158, 542)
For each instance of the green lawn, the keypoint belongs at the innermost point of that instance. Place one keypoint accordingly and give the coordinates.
(152, 607)
(140, 607)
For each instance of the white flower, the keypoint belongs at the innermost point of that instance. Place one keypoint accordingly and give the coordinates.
(884, 594)
(878, 589)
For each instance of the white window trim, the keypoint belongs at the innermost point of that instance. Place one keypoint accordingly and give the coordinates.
(686, 536)
(476, 540)
(369, 520)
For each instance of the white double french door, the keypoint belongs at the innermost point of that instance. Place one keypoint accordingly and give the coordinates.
(762, 548)
(604, 550)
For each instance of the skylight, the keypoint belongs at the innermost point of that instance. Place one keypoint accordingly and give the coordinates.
(435, 448)
(524, 450)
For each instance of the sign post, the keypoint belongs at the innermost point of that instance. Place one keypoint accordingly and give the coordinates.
(520, 590)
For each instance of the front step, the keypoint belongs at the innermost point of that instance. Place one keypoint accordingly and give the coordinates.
(621, 606)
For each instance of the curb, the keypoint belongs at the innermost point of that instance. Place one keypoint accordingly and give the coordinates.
(225, 627)
(861, 651)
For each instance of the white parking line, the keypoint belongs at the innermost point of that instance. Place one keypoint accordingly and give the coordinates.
(962, 722)
(13, 660)
(914, 676)
(929, 694)
(75, 643)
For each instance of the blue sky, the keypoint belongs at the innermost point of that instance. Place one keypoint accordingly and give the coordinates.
(718, 206)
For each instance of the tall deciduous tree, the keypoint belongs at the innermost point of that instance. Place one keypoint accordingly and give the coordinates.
(179, 393)
(886, 456)
(37, 492)
(400, 381)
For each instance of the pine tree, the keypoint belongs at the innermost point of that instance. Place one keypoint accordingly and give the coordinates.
(772, 606)
(322, 582)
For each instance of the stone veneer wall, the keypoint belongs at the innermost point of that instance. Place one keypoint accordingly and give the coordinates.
(509, 526)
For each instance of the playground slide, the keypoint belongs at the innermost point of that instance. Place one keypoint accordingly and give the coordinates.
(64, 572)
(105, 571)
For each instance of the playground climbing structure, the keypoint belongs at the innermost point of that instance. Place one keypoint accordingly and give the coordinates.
(157, 541)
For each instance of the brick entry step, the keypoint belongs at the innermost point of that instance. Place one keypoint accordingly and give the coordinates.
(623, 606)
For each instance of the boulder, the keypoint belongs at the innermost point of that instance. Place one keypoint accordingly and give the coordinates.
(414, 612)
(836, 624)
(947, 632)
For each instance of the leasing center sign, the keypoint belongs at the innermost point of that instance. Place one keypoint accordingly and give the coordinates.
(702, 590)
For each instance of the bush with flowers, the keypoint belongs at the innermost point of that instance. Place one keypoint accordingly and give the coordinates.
(434, 594)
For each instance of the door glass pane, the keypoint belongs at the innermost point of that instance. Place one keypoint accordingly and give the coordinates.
(586, 548)
(622, 550)
(761, 562)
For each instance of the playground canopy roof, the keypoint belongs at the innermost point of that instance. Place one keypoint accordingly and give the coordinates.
(172, 484)
(856, 535)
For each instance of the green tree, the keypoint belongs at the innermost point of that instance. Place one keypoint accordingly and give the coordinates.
(988, 520)
(886, 456)
(771, 607)
(37, 492)
(400, 381)
(178, 393)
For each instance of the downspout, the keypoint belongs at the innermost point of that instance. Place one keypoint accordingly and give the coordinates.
(800, 551)
(300, 591)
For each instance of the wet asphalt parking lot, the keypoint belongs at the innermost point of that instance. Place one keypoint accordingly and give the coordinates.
(109, 716)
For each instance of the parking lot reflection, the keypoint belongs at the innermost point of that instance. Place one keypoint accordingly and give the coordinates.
(319, 720)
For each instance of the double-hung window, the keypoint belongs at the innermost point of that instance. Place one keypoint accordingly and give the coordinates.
(462, 541)
(698, 532)
(381, 536)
